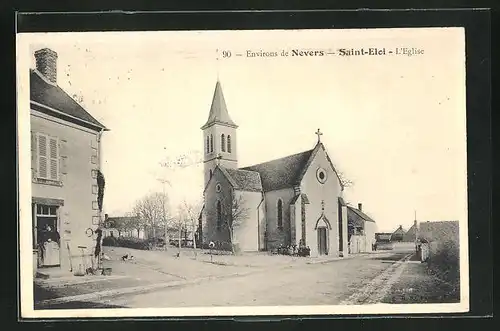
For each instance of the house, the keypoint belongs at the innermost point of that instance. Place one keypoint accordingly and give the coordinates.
(412, 233)
(65, 165)
(292, 200)
(361, 230)
(123, 226)
(383, 237)
(398, 234)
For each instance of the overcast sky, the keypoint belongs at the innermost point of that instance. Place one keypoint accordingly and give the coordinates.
(395, 125)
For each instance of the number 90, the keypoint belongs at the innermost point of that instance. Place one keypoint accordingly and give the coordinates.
(226, 54)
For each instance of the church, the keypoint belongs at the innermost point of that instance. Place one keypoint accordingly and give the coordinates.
(293, 200)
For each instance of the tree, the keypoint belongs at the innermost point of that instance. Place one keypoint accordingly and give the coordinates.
(234, 218)
(151, 212)
(188, 218)
(346, 182)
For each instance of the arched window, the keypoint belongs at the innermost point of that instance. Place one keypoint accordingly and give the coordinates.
(228, 143)
(208, 144)
(210, 173)
(219, 215)
(211, 143)
(280, 213)
(223, 143)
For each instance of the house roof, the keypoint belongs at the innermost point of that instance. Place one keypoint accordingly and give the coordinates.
(439, 231)
(244, 179)
(357, 217)
(56, 98)
(218, 110)
(281, 173)
(399, 230)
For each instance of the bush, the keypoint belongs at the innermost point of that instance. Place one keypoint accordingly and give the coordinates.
(131, 242)
(444, 261)
(109, 241)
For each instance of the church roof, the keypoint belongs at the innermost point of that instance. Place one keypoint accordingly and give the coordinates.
(54, 97)
(283, 172)
(244, 179)
(218, 110)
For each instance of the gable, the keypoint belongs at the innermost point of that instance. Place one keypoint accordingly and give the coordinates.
(319, 151)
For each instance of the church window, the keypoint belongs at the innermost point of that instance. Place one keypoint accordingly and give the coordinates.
(211, 173)
(228, 143)
(321, 175)
(223, 143)
(218, 188)
(280, 213)
(211, 143)
(208, 144)
(219, 215)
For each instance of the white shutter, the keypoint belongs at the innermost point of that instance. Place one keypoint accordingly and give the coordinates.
(54, 158)
(42, 156)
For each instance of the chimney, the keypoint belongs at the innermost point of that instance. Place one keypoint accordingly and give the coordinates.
(46, 64)
(360, 206)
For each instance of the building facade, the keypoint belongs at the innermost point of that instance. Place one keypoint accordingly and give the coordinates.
(293, 200)
(65, 150)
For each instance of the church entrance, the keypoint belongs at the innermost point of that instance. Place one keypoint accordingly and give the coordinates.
(322, 241)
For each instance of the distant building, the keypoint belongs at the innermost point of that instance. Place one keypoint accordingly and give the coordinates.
(398, 235)
(383, 237)
(124, 226)
(361, 230)
(412, 233)
(65, 163)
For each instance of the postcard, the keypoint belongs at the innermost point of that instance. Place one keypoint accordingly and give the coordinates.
(242, 172)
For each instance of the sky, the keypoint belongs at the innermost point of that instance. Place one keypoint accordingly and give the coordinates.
(394, 125)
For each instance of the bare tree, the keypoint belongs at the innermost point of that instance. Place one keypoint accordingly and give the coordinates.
(235, 217)
(346, 182)
(188, 212)
(151, 212)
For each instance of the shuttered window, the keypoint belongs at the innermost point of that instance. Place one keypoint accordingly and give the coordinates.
(47, 157)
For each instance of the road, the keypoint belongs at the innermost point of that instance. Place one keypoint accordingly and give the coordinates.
(315, 284)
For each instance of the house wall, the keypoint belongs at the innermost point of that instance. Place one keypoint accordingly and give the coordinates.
(370, 230)
(276, 236)
(316, 192)
(345, 227)
(77, 185)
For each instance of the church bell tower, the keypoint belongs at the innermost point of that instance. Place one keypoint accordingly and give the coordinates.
(219, 136)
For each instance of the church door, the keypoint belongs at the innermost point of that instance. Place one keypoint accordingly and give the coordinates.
(322, 241)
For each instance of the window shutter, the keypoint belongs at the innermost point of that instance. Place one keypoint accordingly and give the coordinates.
(34, 155)
(54, 158)
(42, 156)
(63, 156)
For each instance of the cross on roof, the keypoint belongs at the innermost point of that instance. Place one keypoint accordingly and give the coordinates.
(319, 133)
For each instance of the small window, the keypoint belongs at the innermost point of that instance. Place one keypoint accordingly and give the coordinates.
(228, 143)
(210, 174)
(211, 143)
(208, 145)
(95, 206)
(280, 213)
(223, 143)
(218, 188)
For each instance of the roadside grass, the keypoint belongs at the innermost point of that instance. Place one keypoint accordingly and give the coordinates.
(418, 285)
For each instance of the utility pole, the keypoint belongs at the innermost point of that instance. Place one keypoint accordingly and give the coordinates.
(164, 181)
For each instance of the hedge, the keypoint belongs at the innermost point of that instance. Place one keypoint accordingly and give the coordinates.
(135, 243)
